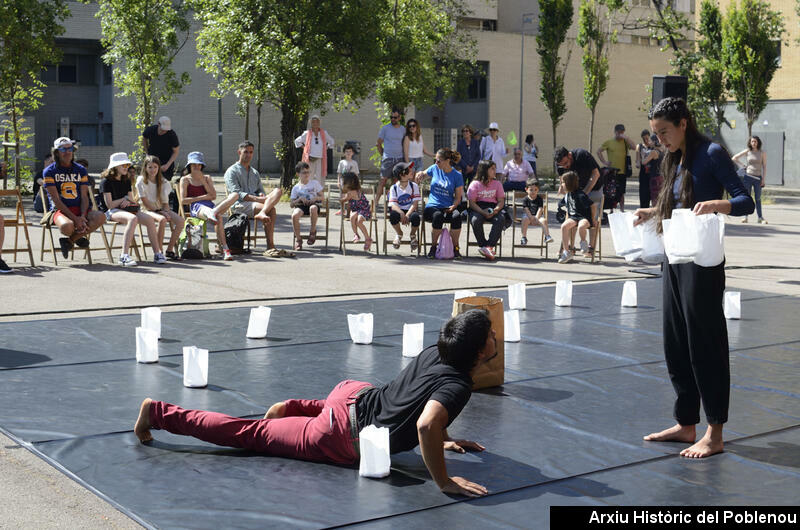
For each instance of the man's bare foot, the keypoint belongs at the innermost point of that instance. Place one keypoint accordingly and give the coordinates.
(260, 216)
(278, 410)
(142, 427)
(709, 444)
(677, 433)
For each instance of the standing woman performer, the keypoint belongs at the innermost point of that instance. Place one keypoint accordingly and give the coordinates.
(755, 172)
(695, 335)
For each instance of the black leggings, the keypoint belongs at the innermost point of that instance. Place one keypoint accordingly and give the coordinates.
(477, 220)
(394, 218)
(438, 216)
(696, 341)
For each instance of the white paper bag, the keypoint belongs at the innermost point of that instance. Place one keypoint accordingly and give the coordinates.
(516, 296)
(259, 322)
(413, 339)
(626, 238)
(151, 319)
(652, 242)
(564, 293)
(710, 240)
(733, 305)
(629, 294)
(146, 346)
(694, 238)
(463, 294)
(360, 328)
(195, 367)
(511, 326)
(373, 443)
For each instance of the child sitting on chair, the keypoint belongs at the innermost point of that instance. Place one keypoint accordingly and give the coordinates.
(360, 210)
(580, 211)
(305, 199)
(347, 164)
(533, 212)
(404, 196)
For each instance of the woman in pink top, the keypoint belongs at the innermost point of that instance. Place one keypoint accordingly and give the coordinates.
(486, 200)
(517, 171)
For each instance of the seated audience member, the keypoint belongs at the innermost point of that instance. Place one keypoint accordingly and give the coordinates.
(486, 200)
(67, 185)
(153, 190)
(416, 407)
(244, 181)
(533, 212)
(347, 164)
(403, 201)
(121, 207)
(305, 198)
(197, 190)
(517, 172)
(447, 188)
(580, 210)
(360, 208)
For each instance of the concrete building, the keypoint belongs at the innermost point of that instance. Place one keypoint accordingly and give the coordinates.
(79, 100)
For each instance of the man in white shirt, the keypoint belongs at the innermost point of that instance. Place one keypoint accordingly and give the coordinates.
(315, 142)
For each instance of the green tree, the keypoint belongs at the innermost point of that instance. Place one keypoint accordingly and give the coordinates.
(142, 38)
(596, 34)
(555, 18)
(751, 36)
(28, 29)
(707, 92)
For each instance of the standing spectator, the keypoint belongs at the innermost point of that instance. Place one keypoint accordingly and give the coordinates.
(517, 172)
(315, 143)
(447, 187)
(617, 150)
(38, 181)
(161, 141)
(583, 163)
(493, 148)
(390, 146)
(486, 199)
(530, 152)
(470, 150)
(245, 182)
(67, 186)
(755, 170)
(413, 145)
(646, 153)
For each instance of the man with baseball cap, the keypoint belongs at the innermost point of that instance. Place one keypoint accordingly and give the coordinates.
(161, 141)
(67, 185)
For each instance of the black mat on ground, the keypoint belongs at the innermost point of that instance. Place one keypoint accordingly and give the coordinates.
(581, 388)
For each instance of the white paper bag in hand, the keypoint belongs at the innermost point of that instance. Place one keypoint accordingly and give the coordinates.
(360, 326)
(680, 236)
(413, 339)
(629, 294)
(259, 322)
(516, 296)
(151, 319)
(146, 346)
(463, 294)
(710, 240)
(627, 240)
(195, 367)
(564, 293)
(652, 242)
(733, 305)
(511, 326)
(374, 460)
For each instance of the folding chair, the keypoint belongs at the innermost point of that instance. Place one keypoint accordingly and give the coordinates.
(17, 222)
(324, 213)
(387, 231)
(517, 212)
(111, 246)
(372, 223)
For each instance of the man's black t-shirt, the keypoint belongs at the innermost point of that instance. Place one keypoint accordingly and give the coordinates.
(161, 145)
(583, 163)
(399, 404)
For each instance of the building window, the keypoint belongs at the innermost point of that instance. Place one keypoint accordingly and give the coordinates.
(476, 86)
(90, 134)
(68, 69)
(72, 70)
(489, 25)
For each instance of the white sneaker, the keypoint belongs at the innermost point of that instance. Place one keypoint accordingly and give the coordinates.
(584, 247)
(226, 255)
(486, 253)
(126, 261)
(159, 259)
(565, 256)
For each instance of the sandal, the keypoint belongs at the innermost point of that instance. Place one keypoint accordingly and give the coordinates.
(367, 244)
(170, 255)
(298, 243)
(312, 237)
(272, 253)
(283, 253)
(396, 242)
(356, 239)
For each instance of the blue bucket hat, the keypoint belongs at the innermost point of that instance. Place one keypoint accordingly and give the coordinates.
(195, 157)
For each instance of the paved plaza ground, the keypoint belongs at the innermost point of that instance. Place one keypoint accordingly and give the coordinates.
(759, 257)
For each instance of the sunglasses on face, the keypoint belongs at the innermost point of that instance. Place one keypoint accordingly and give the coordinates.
(395, 117)
(66, 149)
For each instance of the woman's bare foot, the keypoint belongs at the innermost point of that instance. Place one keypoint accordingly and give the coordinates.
(278, 410)
(709, 444)
(142, 427)
(260, 216)
(676, 433)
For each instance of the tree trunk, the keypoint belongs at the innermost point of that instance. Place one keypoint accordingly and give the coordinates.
(290, 124)
(15, 123)
(555, 144)
(247, 119)
(258, 127)
(591, 131)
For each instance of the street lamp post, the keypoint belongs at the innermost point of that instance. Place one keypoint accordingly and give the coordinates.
(527, 18)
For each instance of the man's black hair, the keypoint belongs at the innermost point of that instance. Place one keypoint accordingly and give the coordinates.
(560, 153)
(300, 166)
(463, 337)
(245, 144)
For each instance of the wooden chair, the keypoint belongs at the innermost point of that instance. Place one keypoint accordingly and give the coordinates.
(372, 223)
(596, 236)
(387, 231)
(18, 221)
(110, 246)
(324, 213)
(517, 211)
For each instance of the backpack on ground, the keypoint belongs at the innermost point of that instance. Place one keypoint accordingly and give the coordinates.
(444, 250)
(193, 241)
(235, 229)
